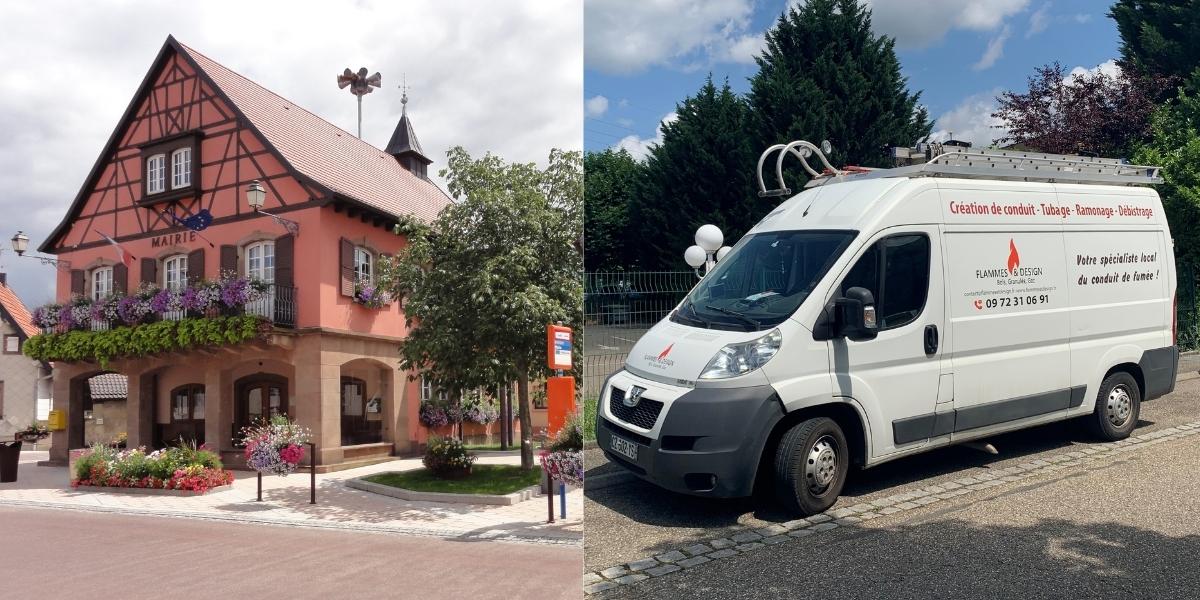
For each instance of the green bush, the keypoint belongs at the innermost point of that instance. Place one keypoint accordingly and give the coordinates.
(144, 340)
(447, 457)
(570, 437)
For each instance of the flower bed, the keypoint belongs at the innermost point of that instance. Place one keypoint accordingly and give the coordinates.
(446, 458)
(189, 469)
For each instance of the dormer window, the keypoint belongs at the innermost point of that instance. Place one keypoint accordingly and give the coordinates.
(156, 173)
(181, 168)
(102, 283)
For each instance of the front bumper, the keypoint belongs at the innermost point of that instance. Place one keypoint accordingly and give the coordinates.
(707, 441)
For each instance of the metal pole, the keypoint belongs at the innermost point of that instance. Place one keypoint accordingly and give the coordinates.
(259, 486)
(550, 497)
(312, 473)
(360, 117)
(562, 499)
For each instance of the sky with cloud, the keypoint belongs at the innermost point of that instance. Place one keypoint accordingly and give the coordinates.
(500, 77)
(644, 56)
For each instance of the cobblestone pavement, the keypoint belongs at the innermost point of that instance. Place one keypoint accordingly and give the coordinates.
(285, 502)
(637, 532)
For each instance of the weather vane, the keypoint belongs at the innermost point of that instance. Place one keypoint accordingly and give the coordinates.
(360, 85)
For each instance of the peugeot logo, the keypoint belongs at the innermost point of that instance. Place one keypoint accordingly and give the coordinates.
(633, 397)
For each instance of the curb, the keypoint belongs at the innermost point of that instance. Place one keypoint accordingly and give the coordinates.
(748, 540)
(360, 483)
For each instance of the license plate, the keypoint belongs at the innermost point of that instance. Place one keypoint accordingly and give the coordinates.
(623, 447)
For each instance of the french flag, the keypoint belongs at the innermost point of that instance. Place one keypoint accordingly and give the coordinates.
(125, 256)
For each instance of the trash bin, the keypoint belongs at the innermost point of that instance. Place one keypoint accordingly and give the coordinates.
(10, 455)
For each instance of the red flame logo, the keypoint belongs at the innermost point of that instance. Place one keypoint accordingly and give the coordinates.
(666, 352)
(1014, 259)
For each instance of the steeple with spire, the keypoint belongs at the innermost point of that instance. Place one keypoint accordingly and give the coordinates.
(404, 145)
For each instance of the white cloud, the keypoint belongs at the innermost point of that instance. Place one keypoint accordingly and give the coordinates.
(994, 50)
(638, 146)
(595, 106)
(971, 120)
(1108, 67)
(1039, 20)
(917, 24)
(468, 65)
(629, 36)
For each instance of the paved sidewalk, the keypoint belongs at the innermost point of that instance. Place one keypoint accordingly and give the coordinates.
(285, 502)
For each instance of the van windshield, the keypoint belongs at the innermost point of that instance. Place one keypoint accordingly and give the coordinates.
(763, 280)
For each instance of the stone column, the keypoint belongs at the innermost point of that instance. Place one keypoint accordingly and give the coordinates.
(63, 391)
(140, 408)
(218, 407)
(317, 399)
(396, 409)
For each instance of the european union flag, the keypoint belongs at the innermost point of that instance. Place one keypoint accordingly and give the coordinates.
(199, 221)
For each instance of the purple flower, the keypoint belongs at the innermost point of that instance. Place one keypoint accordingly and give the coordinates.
(65, 317)
(132, 309)
(235, 292)
(164, 301)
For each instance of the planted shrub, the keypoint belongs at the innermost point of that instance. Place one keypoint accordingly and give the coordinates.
(446, 457)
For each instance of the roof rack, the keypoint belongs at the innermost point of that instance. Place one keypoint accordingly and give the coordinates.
(944, 160)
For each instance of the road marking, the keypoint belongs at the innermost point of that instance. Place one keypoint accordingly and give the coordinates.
(1104, 455)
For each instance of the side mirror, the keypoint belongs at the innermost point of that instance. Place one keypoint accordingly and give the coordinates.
(855, 316)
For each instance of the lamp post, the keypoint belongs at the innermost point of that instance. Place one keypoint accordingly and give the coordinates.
(20, 243)
(707, 251)
(256, 196)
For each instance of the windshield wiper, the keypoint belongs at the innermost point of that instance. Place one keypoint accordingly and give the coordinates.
(734, 313)
(696, 316)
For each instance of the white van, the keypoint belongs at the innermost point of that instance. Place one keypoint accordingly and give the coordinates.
(883, 313)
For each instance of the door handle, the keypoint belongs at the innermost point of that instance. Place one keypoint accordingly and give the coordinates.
(931, 340)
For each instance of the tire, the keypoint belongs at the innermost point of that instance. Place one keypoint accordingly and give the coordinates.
(1118, 404)
(811, 463)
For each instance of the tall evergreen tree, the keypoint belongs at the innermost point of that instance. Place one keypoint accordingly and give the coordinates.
(610, 178)
(702, 172)
(1158, 39)
(825, 76)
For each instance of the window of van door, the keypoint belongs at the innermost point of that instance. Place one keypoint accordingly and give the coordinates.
(896, 271)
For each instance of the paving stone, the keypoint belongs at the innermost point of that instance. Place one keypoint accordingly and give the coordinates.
(1010, 478)
(847, 520)
(976, 486)
(643, 564)
(823, 527)
(745, 536)
(748, 547)
(771, 530)
(629, 579)
(614, 572)
(984, 476)
(906, 506)
(726, 553)
(599, 587)
(720, 543)
(590, 578)
(883, 502)
(861, 508)
(840, 513)
(887, 510)
(775, 539)
(934, 489)
(867, 516)
(950, 485)
(697, 549)
(821, 518)
(966, 481)
(663, 570)
(797, 524)
(693, 561)
(799, 533)
(671, 556)
(928, 500)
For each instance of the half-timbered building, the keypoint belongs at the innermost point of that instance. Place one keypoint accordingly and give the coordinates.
(166, 206)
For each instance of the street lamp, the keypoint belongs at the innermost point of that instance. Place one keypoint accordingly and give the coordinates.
(20, 243)
(708, 249)
(256, 196)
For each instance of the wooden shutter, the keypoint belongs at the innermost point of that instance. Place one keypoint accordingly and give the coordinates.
(229, 259)
(285, 260)
(1, 399)
(149, 271)
(77, 282)
(195, 266)
(120, 280)
(346, 268)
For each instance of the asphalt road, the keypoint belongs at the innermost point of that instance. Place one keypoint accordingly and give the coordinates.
(66, 554)
(635, 520)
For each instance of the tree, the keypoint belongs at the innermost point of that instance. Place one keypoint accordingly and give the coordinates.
(702, 172)
(1158, 39)
(1082, 113)
(1175, 146)
(610, 178)
(825, 76)
(483, 281)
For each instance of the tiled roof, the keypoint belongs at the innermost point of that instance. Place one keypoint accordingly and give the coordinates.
(324, 152)
(16, 310)
(109, 386)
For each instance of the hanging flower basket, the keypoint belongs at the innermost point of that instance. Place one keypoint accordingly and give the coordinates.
(275, 447)
(565, 466)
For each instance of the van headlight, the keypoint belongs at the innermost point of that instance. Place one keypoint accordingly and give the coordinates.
(739, 359)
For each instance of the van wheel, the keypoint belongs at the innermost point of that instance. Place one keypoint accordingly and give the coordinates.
(1117, 407)
(810, 466)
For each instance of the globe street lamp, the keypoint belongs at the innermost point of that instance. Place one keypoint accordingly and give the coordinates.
(707, 251)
